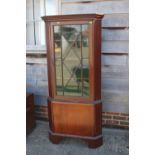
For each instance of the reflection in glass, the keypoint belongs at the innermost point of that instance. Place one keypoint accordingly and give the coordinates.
(57, 42)
(71, 60)
(59, 83)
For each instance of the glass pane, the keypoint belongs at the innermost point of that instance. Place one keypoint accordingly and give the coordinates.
(71, 50)
(40, 33)
(71, 53)
(30, 34)
(85, 41)
(29, 10)
(72, 89)
(85, 72)
(59, 85)
(39, 9)
(71, 78)
(57, 41)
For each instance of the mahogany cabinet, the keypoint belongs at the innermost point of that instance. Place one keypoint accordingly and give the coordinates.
(30, 118)
(74, 77)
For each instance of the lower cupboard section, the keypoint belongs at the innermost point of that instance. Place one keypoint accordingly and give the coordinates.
(109, 119)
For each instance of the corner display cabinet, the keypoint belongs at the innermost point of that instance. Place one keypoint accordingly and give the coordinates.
(74, 77)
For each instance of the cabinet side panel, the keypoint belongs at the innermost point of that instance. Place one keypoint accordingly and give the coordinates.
(50, 116)
(97, 59)
(98, 119)
(49, 65)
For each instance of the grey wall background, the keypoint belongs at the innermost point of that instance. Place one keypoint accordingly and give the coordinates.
(115, 49)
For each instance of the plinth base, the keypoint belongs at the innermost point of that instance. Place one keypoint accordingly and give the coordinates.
(93, 142)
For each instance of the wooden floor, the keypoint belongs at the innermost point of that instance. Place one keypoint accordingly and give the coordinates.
(116, 142)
